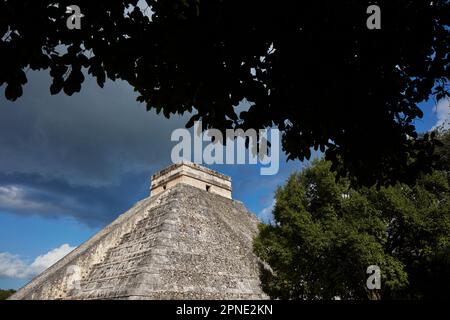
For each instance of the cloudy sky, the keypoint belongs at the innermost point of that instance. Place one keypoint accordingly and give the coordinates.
(70, 165)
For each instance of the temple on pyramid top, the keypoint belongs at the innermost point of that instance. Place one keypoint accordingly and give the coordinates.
(192, 174)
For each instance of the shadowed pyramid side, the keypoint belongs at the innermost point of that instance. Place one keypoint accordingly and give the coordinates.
(54, 283)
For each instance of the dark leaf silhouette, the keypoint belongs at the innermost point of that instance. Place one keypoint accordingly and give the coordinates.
(311, 68)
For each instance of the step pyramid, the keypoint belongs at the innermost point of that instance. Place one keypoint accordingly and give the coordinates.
(188, 240)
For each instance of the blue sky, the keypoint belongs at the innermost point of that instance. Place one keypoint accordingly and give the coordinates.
(70, 165)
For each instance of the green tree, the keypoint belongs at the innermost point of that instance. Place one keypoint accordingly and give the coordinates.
(419, 234)
(311, 68)
(324, 237)
(4, 294)
(325, 234)
(443, 151)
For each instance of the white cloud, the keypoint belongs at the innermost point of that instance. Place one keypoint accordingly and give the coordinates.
(15, 197)
(12, 266)
(266, 214)
(44, 261)
(442, 110)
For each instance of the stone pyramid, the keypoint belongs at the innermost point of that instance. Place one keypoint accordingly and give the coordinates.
(188, 240)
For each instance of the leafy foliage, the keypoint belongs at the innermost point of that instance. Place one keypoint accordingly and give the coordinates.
(443, 151)
(310, 68)
(4, 294)
(325, 235)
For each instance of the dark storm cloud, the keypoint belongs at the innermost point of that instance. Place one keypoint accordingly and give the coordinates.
(90, 156)
(87, 156)
(34, 194)
(87, 139)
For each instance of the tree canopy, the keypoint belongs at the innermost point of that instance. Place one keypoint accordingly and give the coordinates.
(310, 68)
(325, 235)
(4, 294)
